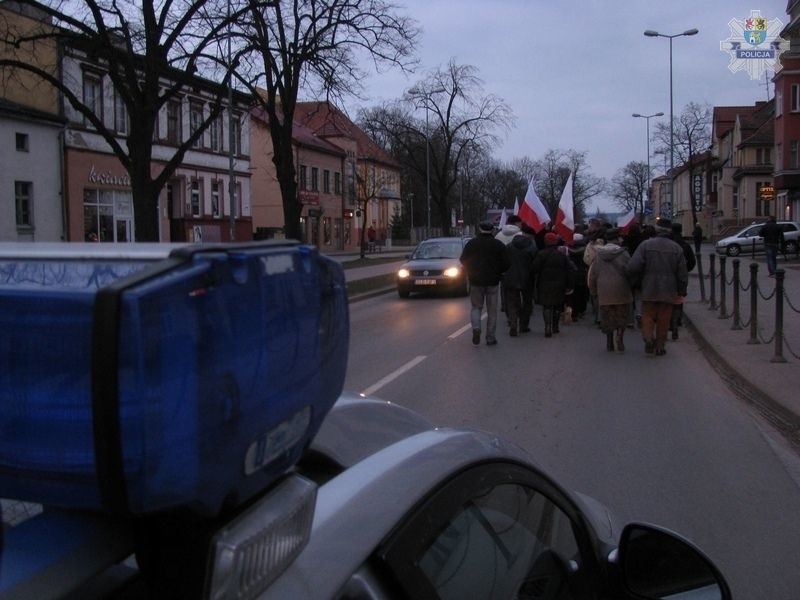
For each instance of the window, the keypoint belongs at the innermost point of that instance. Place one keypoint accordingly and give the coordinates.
(314, 179)
(778, 103)
(196, 122)
(303, 178)
(236, 135)
(216, 134)
(194, 198)
(23, 204)
(337, 183)
(216, 189)
(326, 181)
(735, 199)
(22, 142)
(795, 107)
(793, 154)
(481, 536)
(762, 206)
(120, 115)
(779, 157)
(93, 94)
(174, 122)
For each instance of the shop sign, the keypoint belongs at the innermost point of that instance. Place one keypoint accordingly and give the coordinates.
(108, 178)
(308, 197)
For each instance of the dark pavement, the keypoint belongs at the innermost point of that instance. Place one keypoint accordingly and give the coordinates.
(763, 373)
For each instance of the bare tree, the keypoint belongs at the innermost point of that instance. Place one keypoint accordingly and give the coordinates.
(458, 120)
(150, 52)
(629, 186)
(318, 46)
(691, 136)
(551, 173)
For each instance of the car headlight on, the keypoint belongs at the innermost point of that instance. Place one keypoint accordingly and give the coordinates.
(452, 272)
(403, 273)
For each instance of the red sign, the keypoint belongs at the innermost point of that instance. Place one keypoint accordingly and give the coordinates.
(308, 197)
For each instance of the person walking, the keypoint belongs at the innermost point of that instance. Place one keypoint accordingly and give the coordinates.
(505, 235)
(773, 243)
(676, 320)
(555, 277)
(578, 300)
(517, 286)
(608, 281)
(485, 260)
(595, 236)
(697, 236)
(661, 266)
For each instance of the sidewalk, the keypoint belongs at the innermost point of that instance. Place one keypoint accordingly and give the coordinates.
(753, 368)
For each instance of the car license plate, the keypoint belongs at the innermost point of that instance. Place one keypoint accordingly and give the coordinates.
(425, 282)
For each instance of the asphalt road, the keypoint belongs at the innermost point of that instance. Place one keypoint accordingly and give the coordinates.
(656, 439)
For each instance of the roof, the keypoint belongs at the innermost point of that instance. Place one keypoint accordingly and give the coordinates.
(724, 118)
(325, 120)
(758, 127)
(301, 134)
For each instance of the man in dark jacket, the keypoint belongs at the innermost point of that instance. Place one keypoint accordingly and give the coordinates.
(485, 260)
(661, 265)
(773, 243)
(518, 281)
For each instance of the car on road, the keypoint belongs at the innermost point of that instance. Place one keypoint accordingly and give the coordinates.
(749, 239)
(434, 267)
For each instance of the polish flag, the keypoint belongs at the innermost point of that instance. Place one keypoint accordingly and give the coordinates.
(532, 212)
(503, 219)
(625, 222)
(565, 222)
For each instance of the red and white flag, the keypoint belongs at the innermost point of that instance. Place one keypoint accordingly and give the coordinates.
(503, 219)
(532, 212)
(565, 221)
(625, 222)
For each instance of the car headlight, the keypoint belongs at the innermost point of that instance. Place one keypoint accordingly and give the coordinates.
(452, 272)
(403, 273)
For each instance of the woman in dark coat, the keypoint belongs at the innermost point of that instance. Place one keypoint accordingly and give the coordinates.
(555, 277)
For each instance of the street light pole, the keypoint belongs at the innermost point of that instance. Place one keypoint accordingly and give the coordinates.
(648, 117)
(427, 172)
(651, 33)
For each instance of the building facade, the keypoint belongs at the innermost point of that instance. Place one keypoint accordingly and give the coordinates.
(787, 121)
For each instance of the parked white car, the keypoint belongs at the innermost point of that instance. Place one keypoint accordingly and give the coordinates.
(749, 239)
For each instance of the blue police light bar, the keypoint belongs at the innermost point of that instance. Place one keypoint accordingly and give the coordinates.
(134, 381)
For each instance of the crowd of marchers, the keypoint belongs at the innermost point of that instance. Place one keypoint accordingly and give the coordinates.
(634, 277)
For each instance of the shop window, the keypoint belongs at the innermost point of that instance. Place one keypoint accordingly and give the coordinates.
(326, 231)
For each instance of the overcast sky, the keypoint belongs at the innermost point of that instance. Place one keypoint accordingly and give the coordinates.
(574, 72)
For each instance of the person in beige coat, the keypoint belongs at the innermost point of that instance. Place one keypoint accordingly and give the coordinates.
(608, 281)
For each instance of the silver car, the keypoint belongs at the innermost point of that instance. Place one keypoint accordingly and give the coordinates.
(434, 267)
(749, 239)
(382, 505)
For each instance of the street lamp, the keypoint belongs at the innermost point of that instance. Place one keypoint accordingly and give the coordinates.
(651, 33)
(648, 117)
(425, 96)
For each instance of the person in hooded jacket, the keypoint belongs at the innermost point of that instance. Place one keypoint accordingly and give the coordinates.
(555, 277)
(505, 235)
(518, 281)
(578, 300)
(608, 281)
(676, 320)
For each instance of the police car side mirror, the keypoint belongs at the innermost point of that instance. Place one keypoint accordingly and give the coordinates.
(656, 563)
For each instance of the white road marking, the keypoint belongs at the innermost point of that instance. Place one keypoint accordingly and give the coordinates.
(458, 332)
(392, 376)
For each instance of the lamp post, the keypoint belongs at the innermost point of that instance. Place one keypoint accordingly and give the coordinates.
(651, 33)
(648, 117)
(425, 96)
